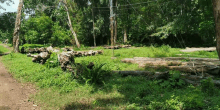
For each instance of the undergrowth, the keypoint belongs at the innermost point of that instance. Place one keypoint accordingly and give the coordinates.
(61, 90)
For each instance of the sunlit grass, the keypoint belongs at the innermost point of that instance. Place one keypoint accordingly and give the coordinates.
(3, 49)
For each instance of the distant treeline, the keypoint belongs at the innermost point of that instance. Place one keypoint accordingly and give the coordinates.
(178, 23)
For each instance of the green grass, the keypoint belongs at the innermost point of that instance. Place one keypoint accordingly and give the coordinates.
(34, 45)
(60, 90)
(3, 49)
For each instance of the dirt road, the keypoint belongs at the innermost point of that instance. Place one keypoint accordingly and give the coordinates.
(14, 95)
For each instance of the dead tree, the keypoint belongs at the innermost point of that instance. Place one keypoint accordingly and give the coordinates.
(17, 28)
(70, 24)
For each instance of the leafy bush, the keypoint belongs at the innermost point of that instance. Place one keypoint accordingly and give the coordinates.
(52, 61)
(38, 30)
(208, 86)
(173, 81)
(60, 36)
(33, 45)
(96, 75)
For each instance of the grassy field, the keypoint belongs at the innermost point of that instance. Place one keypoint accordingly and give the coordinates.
(3, 49)
(61, 90)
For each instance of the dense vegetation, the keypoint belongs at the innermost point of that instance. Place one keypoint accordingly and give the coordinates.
(144, 22)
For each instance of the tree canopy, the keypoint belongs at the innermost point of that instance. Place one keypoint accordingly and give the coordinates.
(177, 23)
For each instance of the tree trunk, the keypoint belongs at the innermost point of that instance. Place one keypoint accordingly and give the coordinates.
(125, 35)
(17, 28)
(93, 28)
(115, 33)
(70, 25)
(216, 10)
(148, 74)
(111, 22)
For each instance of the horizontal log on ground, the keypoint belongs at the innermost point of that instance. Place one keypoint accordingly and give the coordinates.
(117, 47)
(41, 58)
(196, 83)
(209, 49)
(38, 50)
(171, 59)
(148, 74)
(1, 54)
(195, 65)
(214, 70)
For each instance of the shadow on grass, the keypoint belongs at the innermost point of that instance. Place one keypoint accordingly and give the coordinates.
(78, 106)
(99, 104)
(136, 92)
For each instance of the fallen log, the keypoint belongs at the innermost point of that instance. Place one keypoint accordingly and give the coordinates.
(148, 74)
(211, 69)
(188, 65)
(41, 58)
(117, 47)
(209, 49)
(196, 80)
(1, 54)
(66, 59)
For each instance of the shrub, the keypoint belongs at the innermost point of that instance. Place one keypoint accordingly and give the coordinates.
(33, 45)
(60, 36)
(52, 61)
(173, 81)
(208, 86)
(96, 75)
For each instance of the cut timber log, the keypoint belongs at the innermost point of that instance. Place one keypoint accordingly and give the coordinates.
(117, 47)
(209, 49)
(41, 58)
(148, 74)
(1, 54)
(196, 80)
(51, 50)
(211, 69)
(66, 59)
(188, 65)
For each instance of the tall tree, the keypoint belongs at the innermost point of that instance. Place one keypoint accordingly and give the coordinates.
(93, 23)
(111, 22)
(17, 28)
(216, 9)
(70, 24)
(115, 25)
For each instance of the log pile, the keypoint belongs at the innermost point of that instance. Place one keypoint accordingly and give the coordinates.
(209, 49)
(66, 60)
(117, 47)
(187, 65)
(38, 50)
(40, 58)
(51, 50)
(87, 53)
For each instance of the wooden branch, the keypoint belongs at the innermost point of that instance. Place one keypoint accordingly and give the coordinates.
(148, 74)
(70, 25)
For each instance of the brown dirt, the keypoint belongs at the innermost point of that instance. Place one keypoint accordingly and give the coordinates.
(15, 95)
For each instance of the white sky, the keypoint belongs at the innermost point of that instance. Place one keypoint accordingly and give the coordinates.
(11, 8)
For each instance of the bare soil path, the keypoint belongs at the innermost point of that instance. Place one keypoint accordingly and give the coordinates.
(15, 95)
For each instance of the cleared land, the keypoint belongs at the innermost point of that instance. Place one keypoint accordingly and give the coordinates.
(61, 90)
